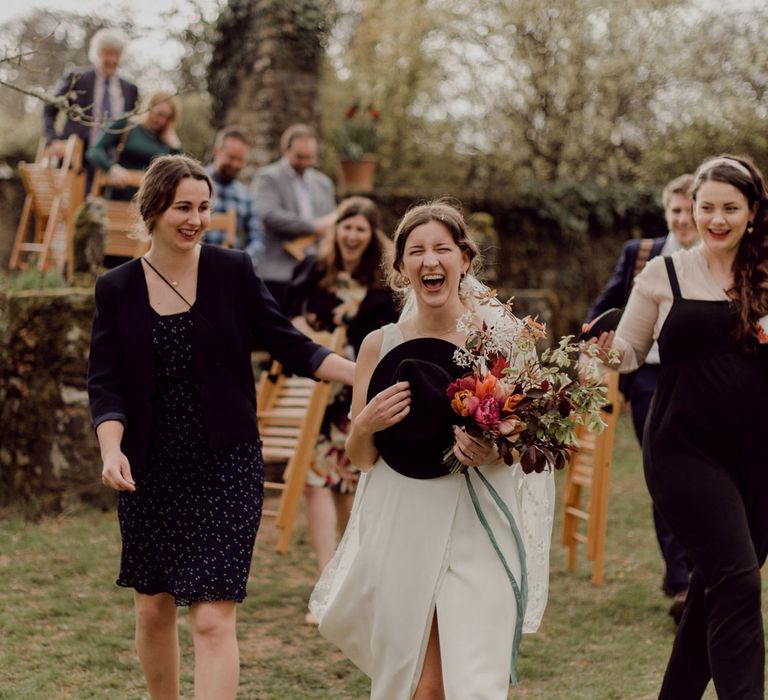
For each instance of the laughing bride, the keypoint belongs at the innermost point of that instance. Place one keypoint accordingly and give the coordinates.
(435, 578)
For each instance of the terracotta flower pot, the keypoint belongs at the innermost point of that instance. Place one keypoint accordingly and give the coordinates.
(356, 176)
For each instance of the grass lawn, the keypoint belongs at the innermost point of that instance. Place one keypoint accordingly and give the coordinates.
(66, 630)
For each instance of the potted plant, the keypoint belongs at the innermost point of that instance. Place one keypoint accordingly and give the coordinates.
(356, 142)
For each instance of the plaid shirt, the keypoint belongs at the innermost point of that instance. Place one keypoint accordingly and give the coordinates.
(235, 195)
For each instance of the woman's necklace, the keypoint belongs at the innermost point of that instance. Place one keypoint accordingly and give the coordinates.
(167, 280)
(433, 334)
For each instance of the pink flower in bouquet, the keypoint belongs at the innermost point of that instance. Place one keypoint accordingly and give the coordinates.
(509, 427)
(465, 383)
(501, 392)
(465, 403)
(487, 413)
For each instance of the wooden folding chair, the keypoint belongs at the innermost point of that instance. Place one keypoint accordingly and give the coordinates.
(53, 196)
(290, 412)
(120, 218)
(298, 247)
(589, 470)
(225, 221)
(100, 182)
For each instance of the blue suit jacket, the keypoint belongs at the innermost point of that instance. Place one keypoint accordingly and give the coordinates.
(82, 81)
(616, 292)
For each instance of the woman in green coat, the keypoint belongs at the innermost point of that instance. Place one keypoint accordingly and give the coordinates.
(132, 143)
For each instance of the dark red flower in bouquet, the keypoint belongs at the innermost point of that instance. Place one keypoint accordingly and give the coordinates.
(375, 113)
(499, 365)
(465, 383)
(351, 111)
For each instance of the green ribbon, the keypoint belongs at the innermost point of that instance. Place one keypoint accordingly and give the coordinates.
(520, 591)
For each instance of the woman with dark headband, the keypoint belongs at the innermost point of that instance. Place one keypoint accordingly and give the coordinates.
(705, 452)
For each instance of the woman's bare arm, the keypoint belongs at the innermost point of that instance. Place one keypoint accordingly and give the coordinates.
(384, 410)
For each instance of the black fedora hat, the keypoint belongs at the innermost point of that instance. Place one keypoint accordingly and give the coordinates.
(415, 446)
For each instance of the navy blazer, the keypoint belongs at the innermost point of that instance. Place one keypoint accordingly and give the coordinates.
(232, 311)
(616, 292)
(82, 81)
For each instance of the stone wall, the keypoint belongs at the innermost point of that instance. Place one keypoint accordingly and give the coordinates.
(48, 453)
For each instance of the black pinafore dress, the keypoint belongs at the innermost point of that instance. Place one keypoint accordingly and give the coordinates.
(710, 408)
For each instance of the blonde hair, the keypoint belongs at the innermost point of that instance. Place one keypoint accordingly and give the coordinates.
(680, 185)
(155, 98)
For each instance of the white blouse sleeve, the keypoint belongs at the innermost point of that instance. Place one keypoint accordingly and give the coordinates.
(637, 329)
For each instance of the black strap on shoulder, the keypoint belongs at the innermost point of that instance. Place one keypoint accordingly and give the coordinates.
(192, 308)
(165, 279)
(672, 277)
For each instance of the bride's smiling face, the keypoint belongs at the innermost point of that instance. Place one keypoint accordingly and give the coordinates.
(433, 263)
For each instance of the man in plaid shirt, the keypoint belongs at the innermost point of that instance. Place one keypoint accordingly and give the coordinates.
(230, 153)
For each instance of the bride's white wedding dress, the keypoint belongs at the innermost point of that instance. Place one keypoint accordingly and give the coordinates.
(417, 547)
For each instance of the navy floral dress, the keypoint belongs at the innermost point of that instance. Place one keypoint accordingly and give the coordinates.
(190, 526)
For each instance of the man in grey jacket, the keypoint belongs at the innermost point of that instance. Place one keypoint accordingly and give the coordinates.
(297, 205)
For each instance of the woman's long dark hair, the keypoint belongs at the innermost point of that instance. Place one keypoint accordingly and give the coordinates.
(750, 268)
(369, 271)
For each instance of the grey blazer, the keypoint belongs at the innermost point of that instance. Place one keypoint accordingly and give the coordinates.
(275, 199)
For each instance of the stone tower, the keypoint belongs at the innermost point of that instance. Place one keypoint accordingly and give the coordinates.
(265, 69)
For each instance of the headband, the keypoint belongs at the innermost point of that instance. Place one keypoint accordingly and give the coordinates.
(732, 162)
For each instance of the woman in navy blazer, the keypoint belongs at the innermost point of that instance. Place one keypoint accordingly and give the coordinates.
(174, 406)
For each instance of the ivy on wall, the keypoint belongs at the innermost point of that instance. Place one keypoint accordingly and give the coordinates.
(300, 27)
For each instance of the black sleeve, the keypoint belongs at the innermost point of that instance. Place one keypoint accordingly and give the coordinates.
(272, 330)
(303, 282)
(612, 295)
(106, 381)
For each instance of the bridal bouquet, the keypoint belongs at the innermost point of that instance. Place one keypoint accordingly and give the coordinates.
(528, 405)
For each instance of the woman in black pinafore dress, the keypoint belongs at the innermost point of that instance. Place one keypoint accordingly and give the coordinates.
(706, 438)
(174, 407)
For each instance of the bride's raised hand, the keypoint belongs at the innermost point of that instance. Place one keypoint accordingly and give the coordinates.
(386, 408)
(471, 450)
